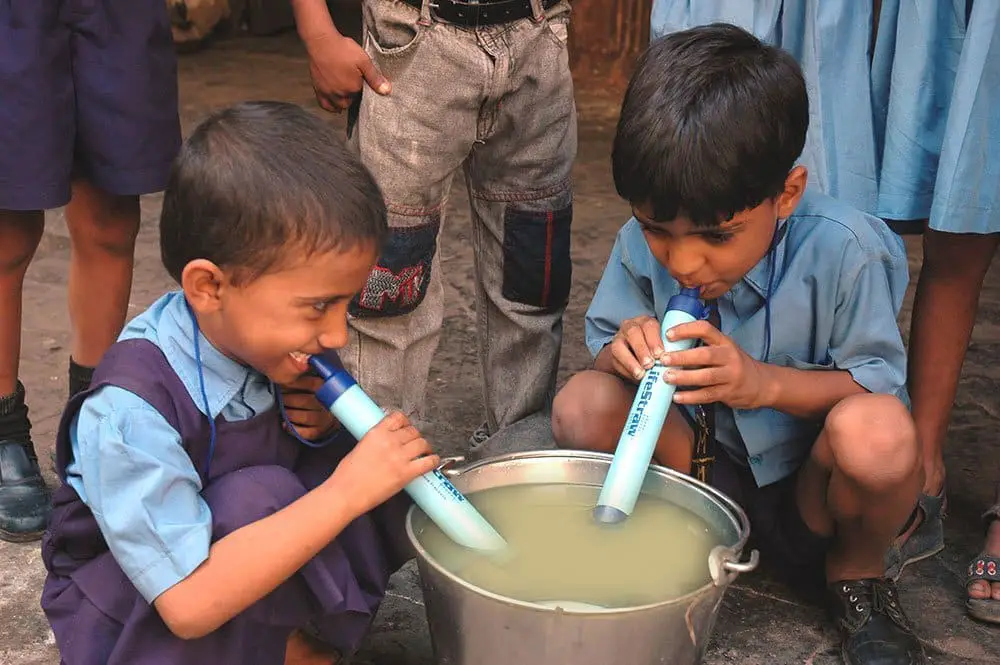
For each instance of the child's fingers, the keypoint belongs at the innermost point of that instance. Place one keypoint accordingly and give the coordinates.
(699, 356)
(708, 395)
(416, 448)
(309, 418)
(702, 330)
(394, 421)
(625, 372)
(635, 337)
(307, 383)
(707, 376)
(302, 401)
(425, 464)
(625, 361)
(407, 435)
(652, 337)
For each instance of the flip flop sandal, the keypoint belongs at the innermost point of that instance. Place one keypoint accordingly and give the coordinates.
(925, 541)
(984, 567)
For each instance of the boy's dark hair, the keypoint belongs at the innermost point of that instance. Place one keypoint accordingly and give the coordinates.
(259, 179)
(712, 122)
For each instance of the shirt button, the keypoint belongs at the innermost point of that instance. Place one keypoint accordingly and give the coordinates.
(755, 459)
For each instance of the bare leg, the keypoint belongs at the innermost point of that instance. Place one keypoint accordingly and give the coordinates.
(859, 486)
(103, 230)
(20, 233)
(944, 312)
(590, 411)
(24, 502)
(861, 482)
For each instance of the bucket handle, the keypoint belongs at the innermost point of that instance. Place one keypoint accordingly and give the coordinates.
(724, 567)
(743, 566)
(448, 464)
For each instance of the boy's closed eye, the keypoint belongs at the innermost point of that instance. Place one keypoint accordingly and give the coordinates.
(715, 235)
(320, 305)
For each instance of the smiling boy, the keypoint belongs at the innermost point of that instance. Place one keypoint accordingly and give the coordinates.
(805, 373)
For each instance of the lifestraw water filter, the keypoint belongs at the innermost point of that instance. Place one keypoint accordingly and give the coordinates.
(433, 492)
(645, 420)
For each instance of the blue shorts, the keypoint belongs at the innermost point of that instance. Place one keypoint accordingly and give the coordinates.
(88, 88)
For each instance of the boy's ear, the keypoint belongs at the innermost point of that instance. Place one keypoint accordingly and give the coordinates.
(203, 283)
(795, 187)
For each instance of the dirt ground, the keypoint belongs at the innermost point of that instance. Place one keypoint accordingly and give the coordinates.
(761, 621)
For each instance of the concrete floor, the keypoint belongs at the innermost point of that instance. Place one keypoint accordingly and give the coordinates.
(761, 621)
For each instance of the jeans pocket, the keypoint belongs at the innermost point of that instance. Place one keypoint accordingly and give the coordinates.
(557, 29)
(392, 28)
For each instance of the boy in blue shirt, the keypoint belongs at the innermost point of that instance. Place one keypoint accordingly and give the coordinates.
(805, 373)
(193, 526)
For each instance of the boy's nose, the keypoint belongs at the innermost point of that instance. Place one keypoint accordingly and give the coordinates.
(685, 264)
(334, 337)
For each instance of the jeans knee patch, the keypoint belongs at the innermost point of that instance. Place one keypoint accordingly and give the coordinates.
(537, 268)
(398, 282)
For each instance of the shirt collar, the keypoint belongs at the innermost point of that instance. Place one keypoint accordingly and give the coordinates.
(224, 377)
(759, 276)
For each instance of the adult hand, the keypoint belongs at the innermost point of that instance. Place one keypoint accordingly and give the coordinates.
(339, 68)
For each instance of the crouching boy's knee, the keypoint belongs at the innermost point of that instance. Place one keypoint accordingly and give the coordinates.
(248, 495)
(589, 410)
(873, 441)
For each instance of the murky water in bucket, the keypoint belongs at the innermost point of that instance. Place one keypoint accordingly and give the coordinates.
(559, 553)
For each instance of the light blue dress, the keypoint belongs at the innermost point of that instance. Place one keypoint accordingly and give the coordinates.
(901, 130)
(967, 187)
(831, 40)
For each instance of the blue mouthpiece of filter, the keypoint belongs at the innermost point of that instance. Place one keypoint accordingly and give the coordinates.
(645, 420)
(688, 301)
(433, 492)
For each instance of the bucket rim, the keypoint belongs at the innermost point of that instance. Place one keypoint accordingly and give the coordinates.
(424, 558)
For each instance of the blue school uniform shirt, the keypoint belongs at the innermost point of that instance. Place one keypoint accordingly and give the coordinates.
(130, 468)
(839, 276)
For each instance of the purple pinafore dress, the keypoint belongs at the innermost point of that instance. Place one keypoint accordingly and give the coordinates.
(256, 469)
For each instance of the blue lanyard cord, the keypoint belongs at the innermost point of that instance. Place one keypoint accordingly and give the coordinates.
(772, 258)
(767, 308)
(204, 393)
(290, 428)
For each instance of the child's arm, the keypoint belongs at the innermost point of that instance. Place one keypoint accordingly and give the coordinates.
(728, 375)
(865, 354)
(338, 64)
(251, 562)
(130, 468)
(807, 394)
(622, 303)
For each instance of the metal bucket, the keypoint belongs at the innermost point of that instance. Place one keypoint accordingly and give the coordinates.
(471, 626)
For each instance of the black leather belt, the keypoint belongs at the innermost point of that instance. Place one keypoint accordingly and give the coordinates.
(488, 12)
